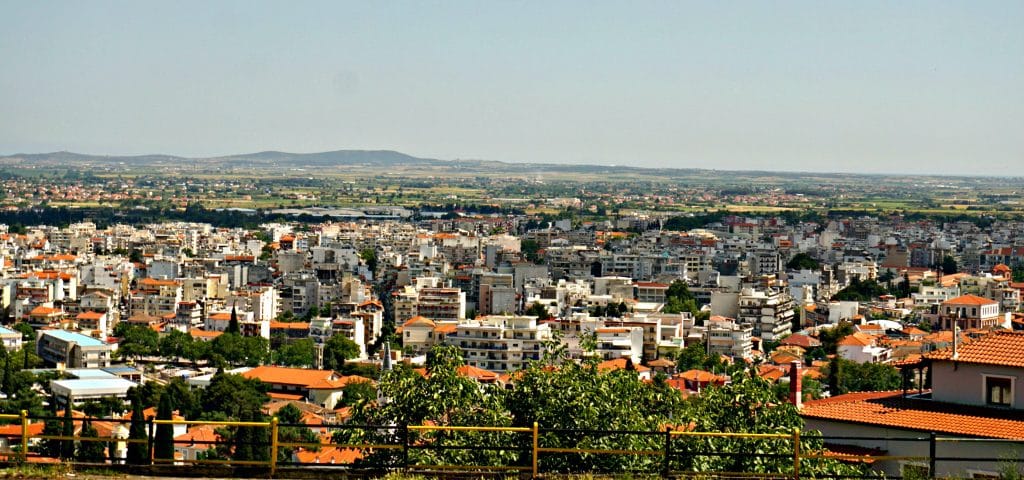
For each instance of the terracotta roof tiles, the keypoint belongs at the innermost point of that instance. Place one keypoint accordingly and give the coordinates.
(1005, 348)
(888, 409)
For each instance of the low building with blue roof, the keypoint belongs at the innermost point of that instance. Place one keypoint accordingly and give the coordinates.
(11, 339)
(73, 350)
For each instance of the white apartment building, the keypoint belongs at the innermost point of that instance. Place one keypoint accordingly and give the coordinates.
(726, 336)
(770, 312)
(500, 343)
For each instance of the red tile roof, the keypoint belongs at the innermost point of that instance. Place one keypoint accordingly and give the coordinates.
(333, 455)
(619, 364)
(888, 409)
(1001, 347)
(969, 300)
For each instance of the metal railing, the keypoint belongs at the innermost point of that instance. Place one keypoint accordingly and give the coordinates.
(679, 450)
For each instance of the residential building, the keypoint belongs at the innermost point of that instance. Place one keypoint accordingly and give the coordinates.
(73, 350)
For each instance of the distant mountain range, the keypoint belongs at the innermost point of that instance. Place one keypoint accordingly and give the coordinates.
(373, 159)
(355, 158)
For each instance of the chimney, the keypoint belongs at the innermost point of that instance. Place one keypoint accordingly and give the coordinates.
(795, 385)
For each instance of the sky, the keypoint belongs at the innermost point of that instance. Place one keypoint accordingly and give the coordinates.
(860, 86)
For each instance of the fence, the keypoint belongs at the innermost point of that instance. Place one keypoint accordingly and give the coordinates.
(538, 451)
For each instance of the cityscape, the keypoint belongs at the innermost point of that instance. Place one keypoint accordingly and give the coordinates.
(558, 240)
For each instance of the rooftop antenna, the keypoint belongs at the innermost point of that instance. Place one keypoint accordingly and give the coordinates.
(956, 327)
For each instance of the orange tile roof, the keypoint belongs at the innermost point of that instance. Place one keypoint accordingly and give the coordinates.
(197, 333)
(969, 299)
(154, 282)
(198, 436)
(701, 376)
(333, 455)
(90, 315)
(304, 377)
(44, 311)
(1001, 347)
(284, 396)
(419, 321)
(619, 364)
(289, 325)
(856, 339)
(476, 373)
(889, 410)
(446, 328)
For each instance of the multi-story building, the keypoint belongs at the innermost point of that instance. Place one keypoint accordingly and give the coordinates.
(501, 343)
(619, 342)
(969, 311)
(11, 339)
(155, 297)
(71, 349)
(726, 336)
(441, 304)
(770, 312)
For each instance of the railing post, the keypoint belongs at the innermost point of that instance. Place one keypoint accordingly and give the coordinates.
(666, 466)
(149, 439)
(931, 455)
(405, 448)
(273, 445)
(796, 453)
(536, 442)
(24, 434)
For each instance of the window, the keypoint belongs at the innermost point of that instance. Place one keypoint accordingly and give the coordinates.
(999, 391)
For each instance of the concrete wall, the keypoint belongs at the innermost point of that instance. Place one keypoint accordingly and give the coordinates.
(966, 384)
(955, 469)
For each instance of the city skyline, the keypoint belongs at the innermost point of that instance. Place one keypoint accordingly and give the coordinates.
(872, 88)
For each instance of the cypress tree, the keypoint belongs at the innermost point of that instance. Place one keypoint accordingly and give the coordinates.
(233, 326)
(138, 453)
(89, 451)
(8, 383)
(67, 447)
(164, 442)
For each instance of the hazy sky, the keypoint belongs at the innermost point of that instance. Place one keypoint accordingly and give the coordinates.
(934, 86)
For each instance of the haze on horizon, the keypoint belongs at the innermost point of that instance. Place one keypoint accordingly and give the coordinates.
(867, 87)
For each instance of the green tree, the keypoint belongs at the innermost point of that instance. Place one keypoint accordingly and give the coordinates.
(28, 333)
(138, 453)
(1017, 273)
(296, 354)
(442, 397)
(90, 451)
(251, 443)
(136, 341)
(531, 249)
(67, 430)
(163, 443)
(860, 291)
(291, 431)
(369, 256)
(538, 310)
(182, 398)
(830, 337)
(228, 395)
(175, 345)
(802, 261)
(834, 374)
(846, 376)
(233, 326)
(238, 350)
(679, 299)
(337, 350)
(949, 265)
(355, 393)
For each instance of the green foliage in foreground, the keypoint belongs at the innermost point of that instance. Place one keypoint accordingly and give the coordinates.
(560, 394)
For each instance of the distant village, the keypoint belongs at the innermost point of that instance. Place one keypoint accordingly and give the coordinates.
(937, 305)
